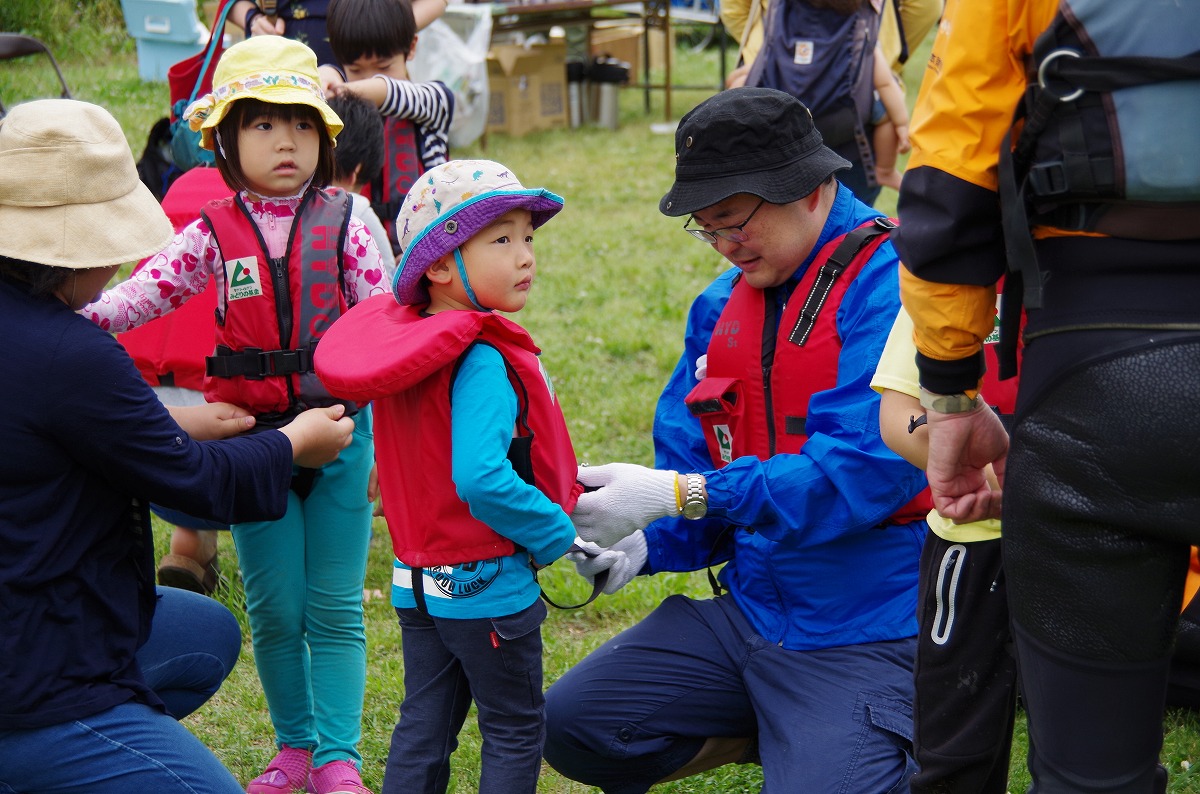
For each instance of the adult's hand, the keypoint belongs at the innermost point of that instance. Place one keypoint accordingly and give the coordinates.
(263, 25)
(629, 498)
(622, 561)
(737, 78)
(212, 420)
(318, 435)
(961, 446)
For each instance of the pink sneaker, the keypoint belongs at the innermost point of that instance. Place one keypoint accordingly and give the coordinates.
(336, 777)
(286, 773)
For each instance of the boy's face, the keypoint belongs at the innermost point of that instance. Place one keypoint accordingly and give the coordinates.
(500, 265)
(395, 65)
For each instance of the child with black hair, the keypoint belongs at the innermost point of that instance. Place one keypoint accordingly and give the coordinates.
(358, 161)
(373, 40)
(476, 469)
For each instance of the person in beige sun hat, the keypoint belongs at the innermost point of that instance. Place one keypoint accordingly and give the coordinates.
(89, 649)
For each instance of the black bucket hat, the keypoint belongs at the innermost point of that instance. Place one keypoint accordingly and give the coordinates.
(747, 140)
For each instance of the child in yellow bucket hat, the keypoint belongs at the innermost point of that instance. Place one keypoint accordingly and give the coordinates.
(287, 259)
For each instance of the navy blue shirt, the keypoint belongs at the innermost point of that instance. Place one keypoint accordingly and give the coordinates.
(84, 445)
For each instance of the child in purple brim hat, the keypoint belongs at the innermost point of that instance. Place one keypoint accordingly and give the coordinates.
(476, 467)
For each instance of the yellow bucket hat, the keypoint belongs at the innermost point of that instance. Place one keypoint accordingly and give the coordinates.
(266, 68)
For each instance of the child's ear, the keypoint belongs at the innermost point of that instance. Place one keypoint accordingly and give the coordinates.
(440, 272)
(412, 49)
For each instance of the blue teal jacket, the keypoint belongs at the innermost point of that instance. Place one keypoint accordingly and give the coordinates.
(809, 556)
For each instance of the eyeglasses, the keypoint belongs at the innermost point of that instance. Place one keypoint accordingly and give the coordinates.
(733, 234)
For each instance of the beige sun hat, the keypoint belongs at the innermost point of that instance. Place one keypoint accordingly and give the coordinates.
(266, 68)
(70, 195)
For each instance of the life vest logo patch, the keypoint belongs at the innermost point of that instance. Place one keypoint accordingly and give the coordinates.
(549, 382)
(466, 579)
(804, 53)
(724, 442)
(242, 279)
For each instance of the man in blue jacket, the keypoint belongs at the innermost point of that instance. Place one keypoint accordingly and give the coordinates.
(769, 460)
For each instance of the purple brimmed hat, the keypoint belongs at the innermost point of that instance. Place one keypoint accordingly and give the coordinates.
(447, 206)
(747, 140)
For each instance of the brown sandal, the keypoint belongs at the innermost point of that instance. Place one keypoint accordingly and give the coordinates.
(175, 570)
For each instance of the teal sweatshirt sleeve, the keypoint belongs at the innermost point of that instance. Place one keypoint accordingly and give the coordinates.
(483, 411)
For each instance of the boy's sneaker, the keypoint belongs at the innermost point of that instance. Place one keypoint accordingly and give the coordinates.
(336, 777)
(287, 773)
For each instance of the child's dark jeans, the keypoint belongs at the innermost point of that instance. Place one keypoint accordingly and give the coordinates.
(497, 662)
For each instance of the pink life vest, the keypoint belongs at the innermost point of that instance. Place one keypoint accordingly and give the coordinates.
(408, 372)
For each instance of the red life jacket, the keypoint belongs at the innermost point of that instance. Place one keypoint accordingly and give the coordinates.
(408, 370)
(274, 311)
(1000, 394)
(170, 351)
(401, 166)
(754, 398)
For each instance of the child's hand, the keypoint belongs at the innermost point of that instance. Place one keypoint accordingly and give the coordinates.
(371, 89)
(373, 490)
(331, 79)
(903, 144)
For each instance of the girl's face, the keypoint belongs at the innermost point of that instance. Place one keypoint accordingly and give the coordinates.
(500, 265)
(278, 156)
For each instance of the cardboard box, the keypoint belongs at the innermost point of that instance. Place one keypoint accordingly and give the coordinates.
(528, 88)
(624, 42)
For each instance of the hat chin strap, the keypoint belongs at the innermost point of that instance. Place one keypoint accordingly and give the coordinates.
(462, 273)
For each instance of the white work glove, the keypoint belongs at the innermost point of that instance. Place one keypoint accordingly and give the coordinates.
(702, 367)
(629, 498)
(622, 561)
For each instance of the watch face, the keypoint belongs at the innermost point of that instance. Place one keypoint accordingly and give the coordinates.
(694, 510)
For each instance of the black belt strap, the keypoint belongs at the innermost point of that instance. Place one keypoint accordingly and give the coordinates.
(254, 363)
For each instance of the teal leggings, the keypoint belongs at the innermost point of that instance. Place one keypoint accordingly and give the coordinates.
(303, 576)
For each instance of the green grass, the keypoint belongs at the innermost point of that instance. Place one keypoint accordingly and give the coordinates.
(615, 281)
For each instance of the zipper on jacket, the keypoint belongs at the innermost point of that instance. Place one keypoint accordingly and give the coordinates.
(769, 332)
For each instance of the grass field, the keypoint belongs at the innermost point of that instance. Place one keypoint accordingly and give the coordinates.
(615, 280)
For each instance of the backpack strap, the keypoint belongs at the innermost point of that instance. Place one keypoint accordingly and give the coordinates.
(846, 252)
(1063, 75)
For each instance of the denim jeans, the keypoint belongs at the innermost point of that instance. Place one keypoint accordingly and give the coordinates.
(497, 662)
(133, 747)
(193, 645)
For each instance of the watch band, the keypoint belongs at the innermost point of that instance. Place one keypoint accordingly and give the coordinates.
(960, 403)
(695, 504)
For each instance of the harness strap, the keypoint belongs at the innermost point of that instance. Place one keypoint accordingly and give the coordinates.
(254, 363)
(418, 588)
(833, 267)
(598, 583)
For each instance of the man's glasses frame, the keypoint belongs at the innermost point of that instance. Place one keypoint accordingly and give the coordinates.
(733, 234)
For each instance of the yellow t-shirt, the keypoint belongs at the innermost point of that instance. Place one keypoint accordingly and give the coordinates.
(897, 371)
